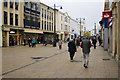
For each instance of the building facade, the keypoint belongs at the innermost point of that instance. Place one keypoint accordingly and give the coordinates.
(74, 28)
(63, 25)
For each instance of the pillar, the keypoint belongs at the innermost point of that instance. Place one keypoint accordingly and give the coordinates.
(7, 38)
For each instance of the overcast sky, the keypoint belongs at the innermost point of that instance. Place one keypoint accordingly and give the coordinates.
(91, 10)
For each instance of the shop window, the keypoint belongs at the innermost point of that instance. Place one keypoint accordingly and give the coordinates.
(11, 18)
(5, 3)
(5, 17)
(16, 19)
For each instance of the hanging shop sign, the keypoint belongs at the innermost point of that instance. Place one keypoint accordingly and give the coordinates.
(106, 14)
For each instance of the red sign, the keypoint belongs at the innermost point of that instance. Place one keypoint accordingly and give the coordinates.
(66, 32)
(106, 14)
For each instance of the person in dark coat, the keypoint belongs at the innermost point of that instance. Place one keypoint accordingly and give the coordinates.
(94, 41)
(71, 49)
(86, 45)
(100, 40)
(29, 42)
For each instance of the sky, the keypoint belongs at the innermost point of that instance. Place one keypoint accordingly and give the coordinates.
(91, 10)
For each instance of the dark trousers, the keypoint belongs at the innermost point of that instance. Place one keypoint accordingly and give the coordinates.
(60, 46)
(72, 55)
(94, 46)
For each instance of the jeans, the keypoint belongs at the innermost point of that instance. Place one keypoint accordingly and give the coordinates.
(86, 58)
(72, 55)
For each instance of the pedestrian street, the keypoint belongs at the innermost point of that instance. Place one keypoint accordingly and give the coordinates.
(50, 62)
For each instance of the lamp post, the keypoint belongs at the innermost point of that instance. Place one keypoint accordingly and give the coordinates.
(54, 37)
(80, 24)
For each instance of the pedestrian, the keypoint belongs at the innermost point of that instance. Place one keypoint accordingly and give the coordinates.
(71, 49)
(33, 42)
(60, 44)
(85, 45)
(100, 41)
(94, 41)
(29, 42)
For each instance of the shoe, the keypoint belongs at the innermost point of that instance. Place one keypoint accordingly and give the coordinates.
(85, 66)
(71, 60)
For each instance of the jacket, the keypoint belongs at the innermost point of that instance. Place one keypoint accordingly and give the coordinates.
(86, 45)
(71, 46)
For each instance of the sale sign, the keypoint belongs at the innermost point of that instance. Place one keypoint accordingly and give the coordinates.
(106, 14)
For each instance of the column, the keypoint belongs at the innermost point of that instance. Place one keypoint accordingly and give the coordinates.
(7, 38)
(0, 23)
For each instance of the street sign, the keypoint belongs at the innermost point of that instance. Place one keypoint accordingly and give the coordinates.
(106, 14)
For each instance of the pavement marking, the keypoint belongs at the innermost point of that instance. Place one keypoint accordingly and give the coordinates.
(13, 70)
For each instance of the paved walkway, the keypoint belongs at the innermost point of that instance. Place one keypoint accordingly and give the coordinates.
(50, 62)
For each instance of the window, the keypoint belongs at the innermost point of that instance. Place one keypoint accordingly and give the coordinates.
(11, 18)
(5, 17)
(42, 12)
(16, 5)
(16, 19)
(11, 4)
(45, 13)
(65, 27)
(52, 16)
(42, 24)
(5, 3)
(50, 26)
(61, 26)
(45, 26)
(61, 18)
(65, 19)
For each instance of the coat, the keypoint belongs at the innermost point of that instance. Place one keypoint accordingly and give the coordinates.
(85, 45)
(71, 46)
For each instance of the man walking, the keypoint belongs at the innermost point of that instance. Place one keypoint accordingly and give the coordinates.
(85, 45)
(60, 44)
(94, 41)
(71, 49)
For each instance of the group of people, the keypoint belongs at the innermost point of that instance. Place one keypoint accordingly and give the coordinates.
(85, 44)
(32, 42)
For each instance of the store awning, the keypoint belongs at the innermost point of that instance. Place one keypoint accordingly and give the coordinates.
(32, 31)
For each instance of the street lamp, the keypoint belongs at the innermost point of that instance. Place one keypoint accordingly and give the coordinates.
(54, 42)
(80, 24)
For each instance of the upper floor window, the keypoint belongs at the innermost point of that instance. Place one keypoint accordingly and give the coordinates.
(61, 26)
(16, 5)
(45, 13)
(45, 26)
(5, 17)
(42, 24)
(65, 27)
(11, 18)
(61, 18)
(50, 26)
(5, 3)
(52, 16)
(11, 3)
(42, 12)
(65, 19)
(16, 19)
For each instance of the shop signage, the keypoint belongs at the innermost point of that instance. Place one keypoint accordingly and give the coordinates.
(66, 32)
(2, 27)
(12, 32)
(106, 14)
